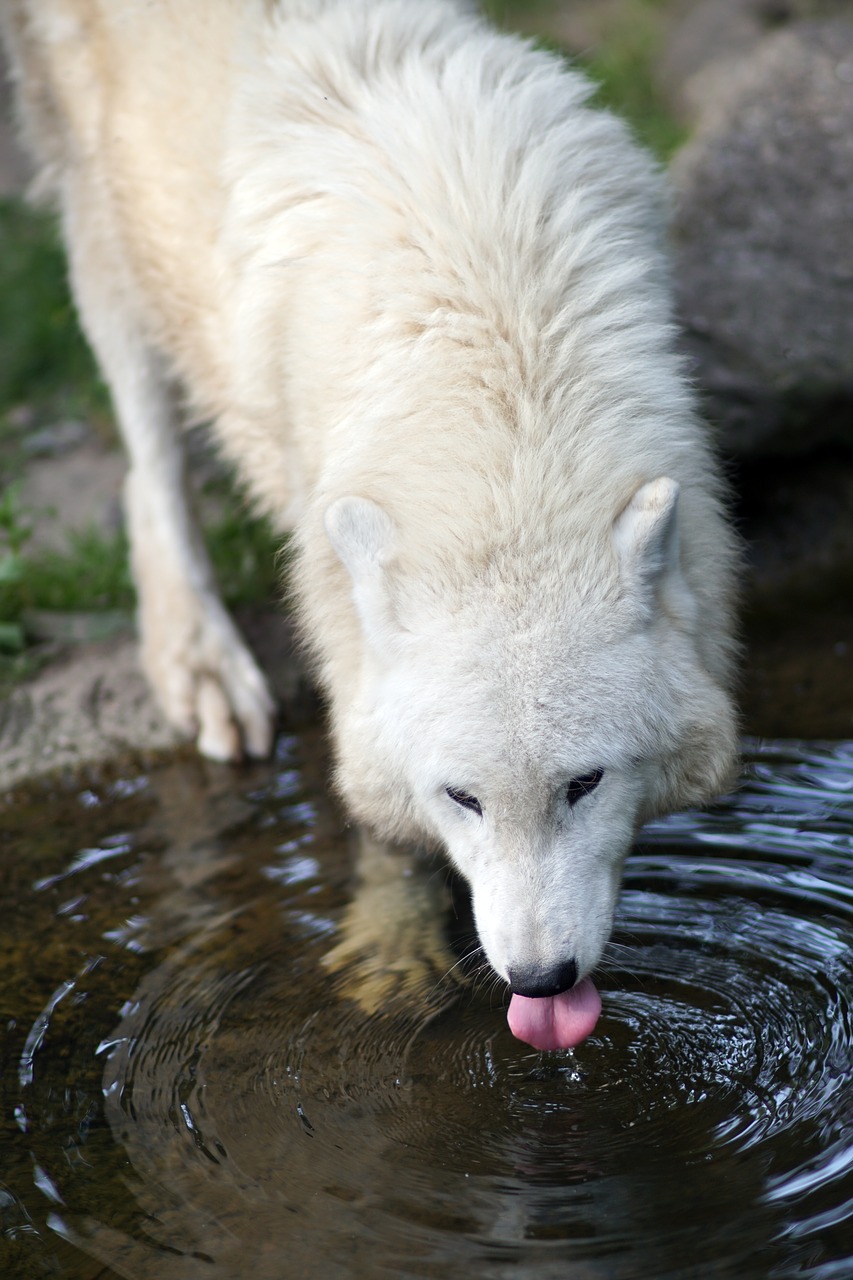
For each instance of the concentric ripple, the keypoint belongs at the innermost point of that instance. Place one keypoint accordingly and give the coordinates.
(197, 1084)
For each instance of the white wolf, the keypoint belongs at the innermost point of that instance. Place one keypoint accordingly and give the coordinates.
(417, 285)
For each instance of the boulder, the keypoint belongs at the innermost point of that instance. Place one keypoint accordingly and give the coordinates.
(705, 40)
(763, 234)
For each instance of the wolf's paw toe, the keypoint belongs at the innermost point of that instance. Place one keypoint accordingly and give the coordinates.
(229, 727)
(235, 712)
(212, 689)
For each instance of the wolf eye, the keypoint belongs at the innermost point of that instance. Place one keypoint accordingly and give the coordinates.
(467, 802)
(580, 787)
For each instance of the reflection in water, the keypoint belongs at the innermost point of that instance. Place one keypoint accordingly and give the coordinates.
(192, 1088)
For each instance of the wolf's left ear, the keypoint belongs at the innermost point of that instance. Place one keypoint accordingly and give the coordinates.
(364, 538)
(645, 535)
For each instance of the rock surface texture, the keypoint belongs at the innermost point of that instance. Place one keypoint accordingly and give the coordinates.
(90, 708)
(764, 241)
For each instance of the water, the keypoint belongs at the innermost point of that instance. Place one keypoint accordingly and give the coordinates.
(191, 1090)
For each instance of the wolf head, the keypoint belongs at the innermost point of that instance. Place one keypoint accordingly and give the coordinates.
(528, 716)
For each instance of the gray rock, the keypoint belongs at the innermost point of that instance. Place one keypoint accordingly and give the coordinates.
(56, 438)
(92, 704)
(764, 244)
(705, 40)
(93, 707)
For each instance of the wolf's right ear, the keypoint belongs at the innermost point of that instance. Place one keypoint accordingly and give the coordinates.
(645, 535)
(364, 538)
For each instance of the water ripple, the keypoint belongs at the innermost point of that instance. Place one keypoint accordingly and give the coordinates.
(199, 1091)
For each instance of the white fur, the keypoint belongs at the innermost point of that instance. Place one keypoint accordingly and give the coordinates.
(418, 287)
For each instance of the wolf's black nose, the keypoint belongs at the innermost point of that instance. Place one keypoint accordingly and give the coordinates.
(537, 982)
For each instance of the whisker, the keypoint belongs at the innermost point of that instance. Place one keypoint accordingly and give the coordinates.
(458, 964)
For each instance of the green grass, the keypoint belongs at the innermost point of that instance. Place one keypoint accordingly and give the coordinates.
(15, 531)
(623, 68)
(92, 578)
(44, 359)
(93, 574)
(248, 557)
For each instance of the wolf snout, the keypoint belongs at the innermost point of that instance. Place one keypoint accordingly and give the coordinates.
(536, 982)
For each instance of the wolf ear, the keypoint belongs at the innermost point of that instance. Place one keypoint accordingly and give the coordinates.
(364, 538)
(645, 535)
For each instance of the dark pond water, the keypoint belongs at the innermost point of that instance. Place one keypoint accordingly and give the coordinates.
(191, 1090)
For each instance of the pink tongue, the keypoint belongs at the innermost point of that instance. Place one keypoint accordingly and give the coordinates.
(556, 1022)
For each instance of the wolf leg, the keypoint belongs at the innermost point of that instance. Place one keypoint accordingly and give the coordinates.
(204, 676)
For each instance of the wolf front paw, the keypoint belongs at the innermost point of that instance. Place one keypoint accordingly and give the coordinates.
(210, 686)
